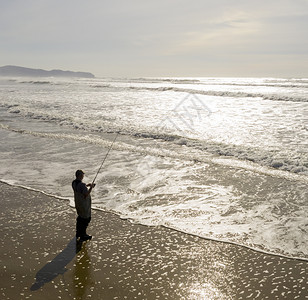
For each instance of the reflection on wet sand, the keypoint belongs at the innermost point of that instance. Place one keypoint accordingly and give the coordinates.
(82, 274)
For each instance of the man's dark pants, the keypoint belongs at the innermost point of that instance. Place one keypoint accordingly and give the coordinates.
(81, 226)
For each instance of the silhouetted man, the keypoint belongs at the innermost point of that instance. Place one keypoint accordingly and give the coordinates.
(83, 205)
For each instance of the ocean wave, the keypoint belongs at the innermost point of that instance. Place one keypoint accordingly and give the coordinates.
(296, 80)
(296, 163)
(100, 85)
(157, 80)
(45, 82)
(272, 163)
(273, 159)
(37, 82)
(279, 85)
(247, 82)
(272, 97)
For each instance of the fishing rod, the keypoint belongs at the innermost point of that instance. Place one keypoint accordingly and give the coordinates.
(105, 157)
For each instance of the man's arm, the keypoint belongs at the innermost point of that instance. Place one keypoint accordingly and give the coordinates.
(87, 193)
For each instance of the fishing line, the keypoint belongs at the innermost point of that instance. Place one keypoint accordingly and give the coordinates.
(105, 157)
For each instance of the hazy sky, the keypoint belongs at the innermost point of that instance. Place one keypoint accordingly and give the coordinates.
(157, 38)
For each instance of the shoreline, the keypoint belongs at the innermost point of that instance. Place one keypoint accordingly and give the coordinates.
(163, 226)
(41, 260)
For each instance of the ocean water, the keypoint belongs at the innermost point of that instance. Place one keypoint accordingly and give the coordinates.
(221, 158)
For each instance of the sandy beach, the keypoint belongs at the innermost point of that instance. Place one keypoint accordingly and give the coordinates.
(40, 259)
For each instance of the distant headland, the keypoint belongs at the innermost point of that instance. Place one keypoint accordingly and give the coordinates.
(28, 72)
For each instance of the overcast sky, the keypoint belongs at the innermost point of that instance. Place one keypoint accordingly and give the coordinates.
(157, 37)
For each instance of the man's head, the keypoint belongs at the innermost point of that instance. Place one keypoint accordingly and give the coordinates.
(79, 174)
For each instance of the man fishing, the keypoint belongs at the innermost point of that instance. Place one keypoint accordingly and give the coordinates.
(82, 196)
(83, 200)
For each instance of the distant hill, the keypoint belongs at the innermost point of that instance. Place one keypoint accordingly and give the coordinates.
(27, 72)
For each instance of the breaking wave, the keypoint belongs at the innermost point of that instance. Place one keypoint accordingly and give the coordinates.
(272, 97)
(273, 163)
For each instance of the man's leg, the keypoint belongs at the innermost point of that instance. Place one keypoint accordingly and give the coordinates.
(86, 223)
(79, 227)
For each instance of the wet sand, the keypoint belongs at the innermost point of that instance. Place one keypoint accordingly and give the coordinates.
(40, 259)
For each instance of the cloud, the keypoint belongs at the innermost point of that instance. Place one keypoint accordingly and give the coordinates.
(231, 31)
(118, 35)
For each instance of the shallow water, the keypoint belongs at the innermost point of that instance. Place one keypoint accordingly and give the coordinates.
(220, 158)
